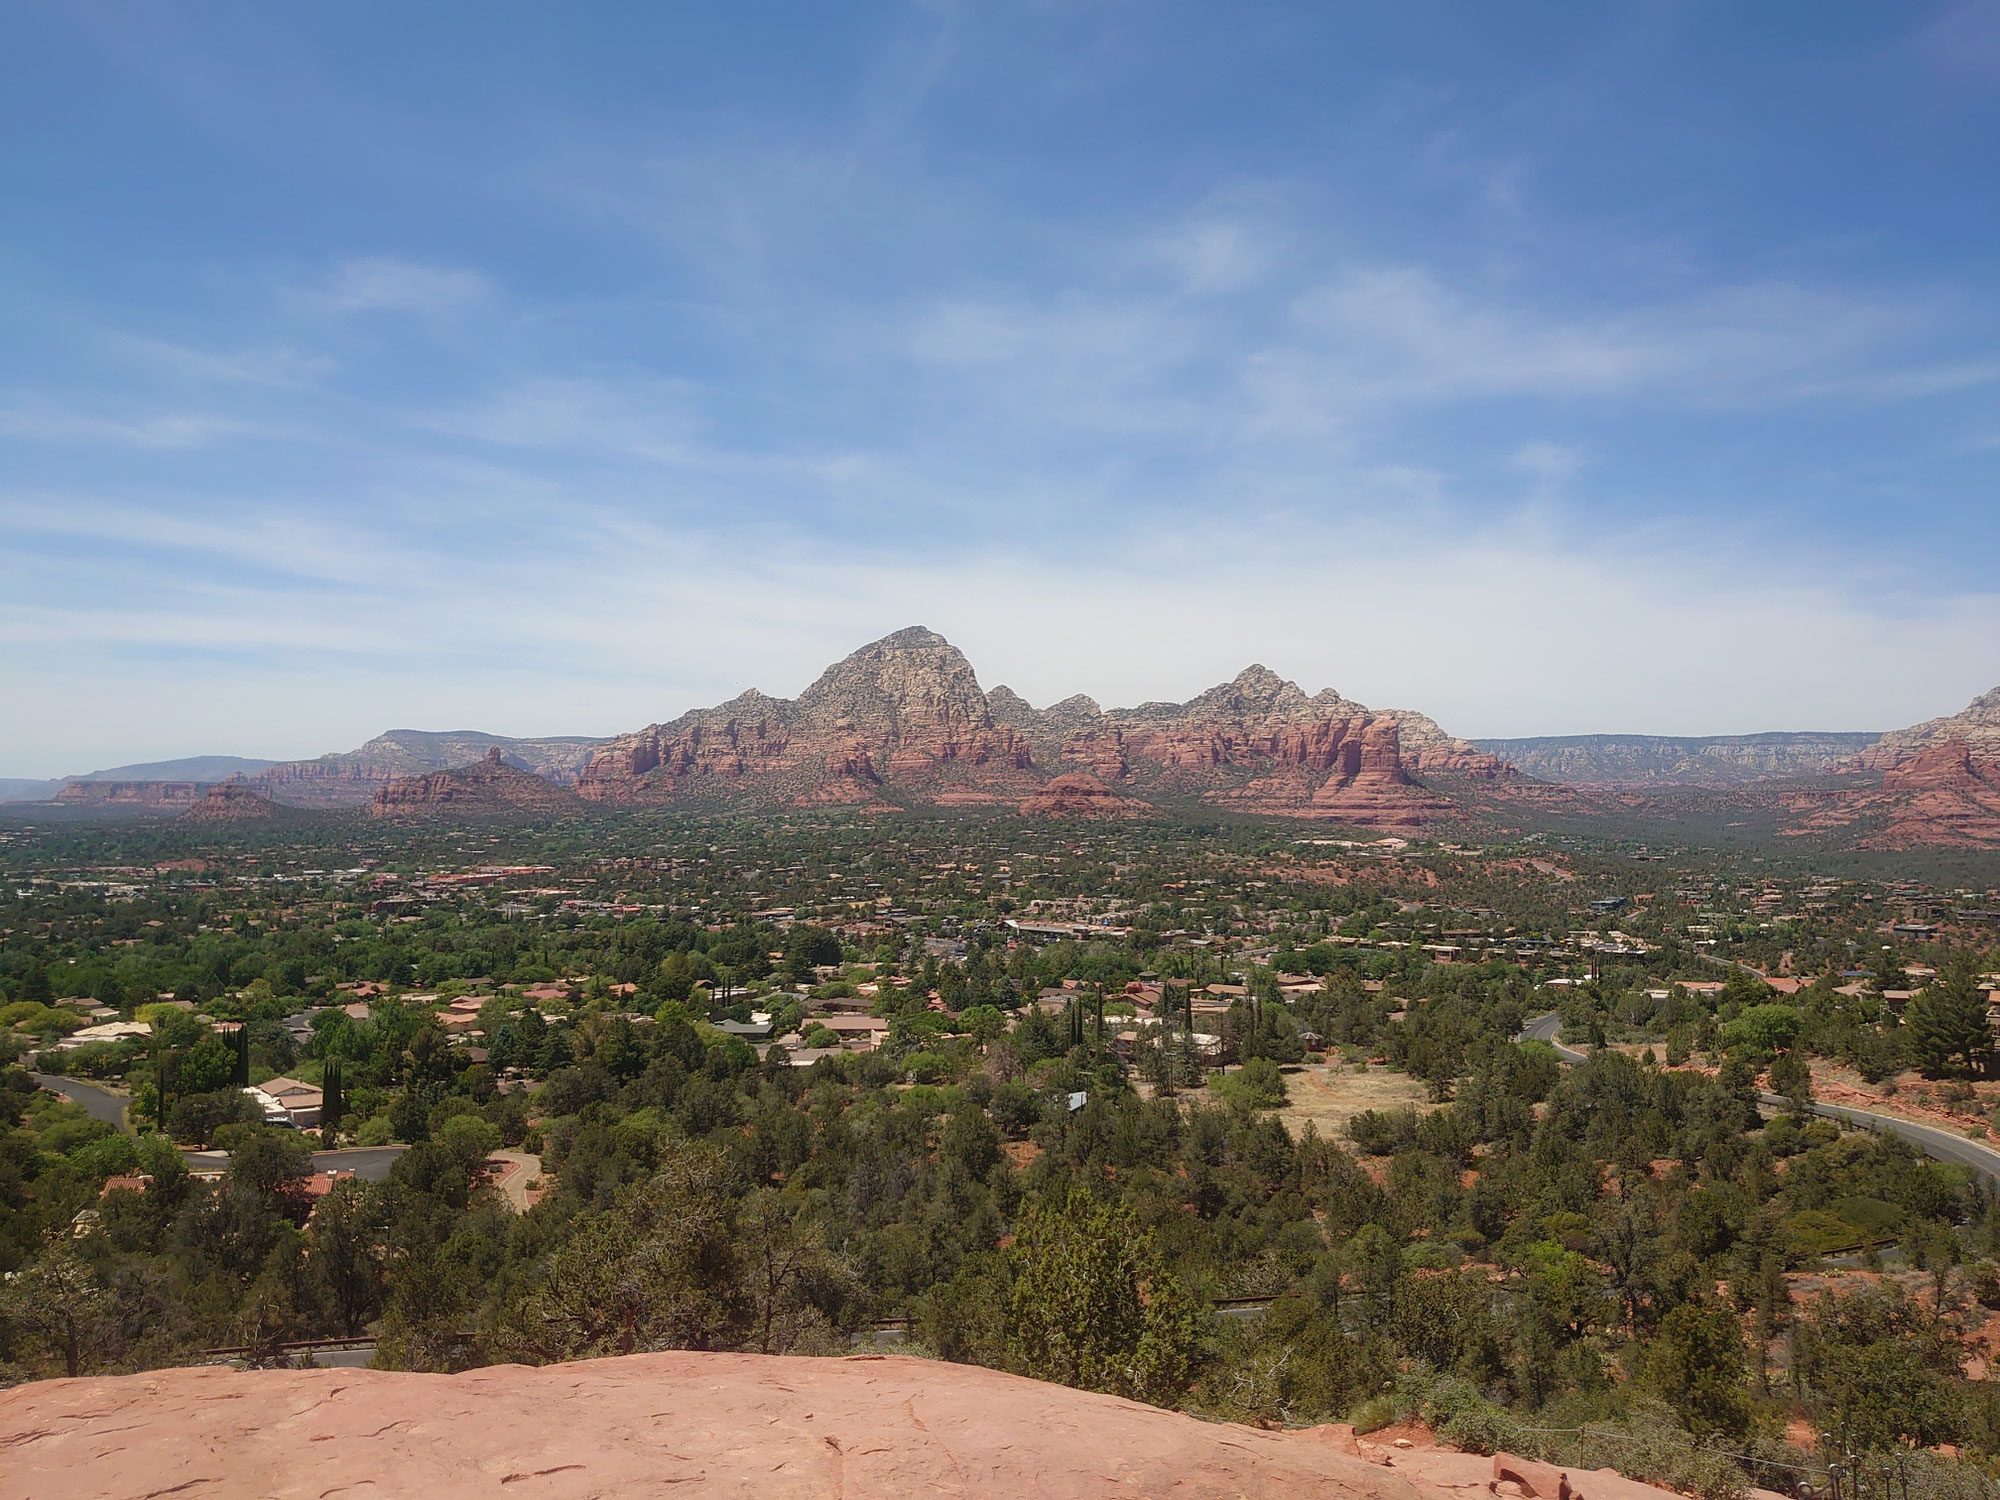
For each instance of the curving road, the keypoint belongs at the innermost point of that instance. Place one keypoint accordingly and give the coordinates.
(1938, 1144)
(101, 1103)
(1546, 1029)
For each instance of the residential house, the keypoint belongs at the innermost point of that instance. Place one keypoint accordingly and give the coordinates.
(287, 1101)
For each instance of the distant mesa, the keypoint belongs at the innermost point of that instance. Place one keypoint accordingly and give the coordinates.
(488, 787)
(172, 796)
(352, 779)
(1645, 760)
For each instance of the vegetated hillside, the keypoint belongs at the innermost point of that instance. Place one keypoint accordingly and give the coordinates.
(904, 720)
(1619, 760)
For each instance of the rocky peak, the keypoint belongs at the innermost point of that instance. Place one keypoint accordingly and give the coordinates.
(1254, 692)
(914, 683)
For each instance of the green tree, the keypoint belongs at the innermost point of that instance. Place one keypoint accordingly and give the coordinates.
(1764, 1028)
(1949, 1035)
(1696, 1366)
(1093, 1305)
(61, 1305)
(1791, 1077)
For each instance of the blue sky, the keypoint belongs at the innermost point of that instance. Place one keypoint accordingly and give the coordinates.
(554, 369)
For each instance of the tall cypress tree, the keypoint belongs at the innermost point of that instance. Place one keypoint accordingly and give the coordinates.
(332, 1105)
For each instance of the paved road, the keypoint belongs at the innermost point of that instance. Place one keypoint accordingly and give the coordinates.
(525, 1167)
(100, 1102)
(1940, 1145)
(1936, 1143)
(1546, 1029)
(369, 1163)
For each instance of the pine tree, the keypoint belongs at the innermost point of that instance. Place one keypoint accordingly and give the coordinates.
(1949, 1034)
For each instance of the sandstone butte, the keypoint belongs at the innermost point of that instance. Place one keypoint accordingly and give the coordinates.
(1078, 794)
(169, 795)
(685, 1424)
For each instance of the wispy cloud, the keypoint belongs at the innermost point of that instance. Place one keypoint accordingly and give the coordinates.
(384, 284)
(46, 424)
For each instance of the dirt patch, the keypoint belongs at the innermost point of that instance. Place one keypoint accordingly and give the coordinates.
(1915, 1099)
(1330, 1096)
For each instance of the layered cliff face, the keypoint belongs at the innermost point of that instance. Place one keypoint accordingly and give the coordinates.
(905, 718)
(489, 788)
(168, 796)
(1643, 760)
(352, 778)
(1946, 795)
(1977, 725)
(907, 708)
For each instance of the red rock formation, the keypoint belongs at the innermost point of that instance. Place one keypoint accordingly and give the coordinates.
(1977, 724)
(488, 788)
(905, 717)
(351, 779)
(230, 802)
(1944, 795)
(173, 796)
(905, 708)
(1078, 795)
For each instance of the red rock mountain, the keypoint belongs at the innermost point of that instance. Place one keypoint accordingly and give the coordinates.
(488, 788)
(1977, 725)
(1078, 794)
(1945, 795)
(904, 719)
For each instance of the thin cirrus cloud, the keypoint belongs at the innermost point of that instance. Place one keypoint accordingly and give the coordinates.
(384, 284)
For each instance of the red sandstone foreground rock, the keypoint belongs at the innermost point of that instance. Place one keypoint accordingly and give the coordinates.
(683, 1424)
(680, 1425)
(492, 787)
